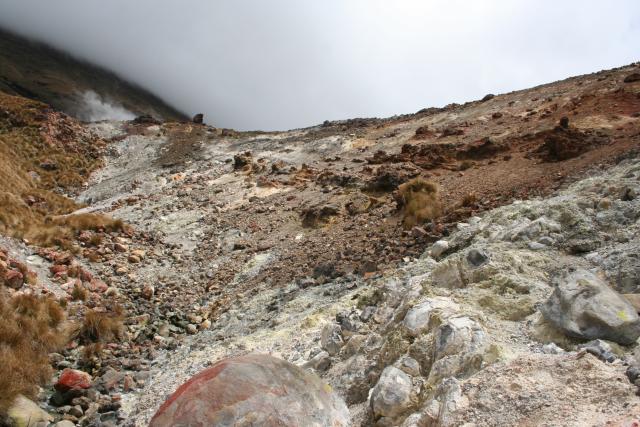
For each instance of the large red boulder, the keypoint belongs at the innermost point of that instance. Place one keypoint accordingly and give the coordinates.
(72, 379)
(255, 390)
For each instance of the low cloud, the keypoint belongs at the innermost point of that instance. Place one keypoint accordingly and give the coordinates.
(252, 64)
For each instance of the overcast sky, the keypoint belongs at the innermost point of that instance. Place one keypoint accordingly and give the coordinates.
(279, 64)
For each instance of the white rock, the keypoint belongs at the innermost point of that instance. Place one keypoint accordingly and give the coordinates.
(438, 248)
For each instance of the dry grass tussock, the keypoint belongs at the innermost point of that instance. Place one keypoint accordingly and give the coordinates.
(418, 201)
(31, 328)
(42, 152)
(102, 327)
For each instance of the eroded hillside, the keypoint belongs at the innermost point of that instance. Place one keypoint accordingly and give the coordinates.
(306, 245)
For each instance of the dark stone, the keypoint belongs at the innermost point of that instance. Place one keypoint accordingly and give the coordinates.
(477, 257)
(633, 373)
(634, 77)
(564, 122)
(487, 97)
(198, 118)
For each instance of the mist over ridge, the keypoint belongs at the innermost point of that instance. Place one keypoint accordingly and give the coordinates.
(286, 64)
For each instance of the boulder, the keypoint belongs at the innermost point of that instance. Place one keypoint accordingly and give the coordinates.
(392, 394)
(25, 413)
(583, 306)
(198, 118)
(460, 348)
(72, 379)
(254, 389)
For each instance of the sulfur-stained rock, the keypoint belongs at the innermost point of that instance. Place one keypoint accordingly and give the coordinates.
(583, 306)
(253, 390)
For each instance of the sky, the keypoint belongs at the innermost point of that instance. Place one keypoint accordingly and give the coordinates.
(282, 64)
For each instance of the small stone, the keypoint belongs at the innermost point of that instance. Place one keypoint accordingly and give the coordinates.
(139, 253)
(192, 329)
(438, 248)
(133, 259)
(72, 379)
(120, 247)
(536, 246)
(601, 349)
(148, 291)
(76, 411)
(13, 279)
(552, 348)
(604, 204)
(111, 378)
(198, 118)
(320, 362)
(64, 423)
(477, 257)
(409, 366)
(628, 194)
(206, 324)
(331, 338)
(111, 291)
(129, 383)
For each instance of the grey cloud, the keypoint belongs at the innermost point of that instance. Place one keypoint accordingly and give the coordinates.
(255, 64)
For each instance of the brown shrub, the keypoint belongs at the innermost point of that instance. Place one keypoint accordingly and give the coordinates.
(31, 328)
(79, 293)
(418, 201)
(91, 353)
(470, 199)
(101, 326)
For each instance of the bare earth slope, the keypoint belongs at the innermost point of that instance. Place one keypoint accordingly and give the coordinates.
(258, 242)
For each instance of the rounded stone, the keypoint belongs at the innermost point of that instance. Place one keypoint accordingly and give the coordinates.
(392, 394)
(253, 390)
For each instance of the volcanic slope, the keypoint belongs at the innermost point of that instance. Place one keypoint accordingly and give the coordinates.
(232, 242)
